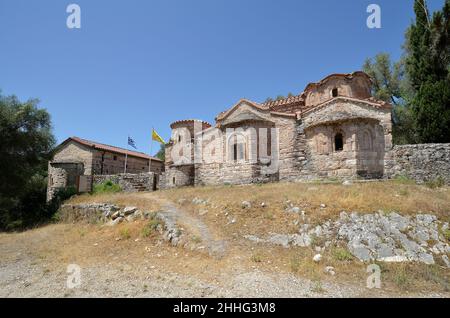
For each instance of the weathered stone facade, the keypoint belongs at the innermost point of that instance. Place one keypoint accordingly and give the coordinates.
(76, 161)
(426, 162)
(130, 182)
(333, 129)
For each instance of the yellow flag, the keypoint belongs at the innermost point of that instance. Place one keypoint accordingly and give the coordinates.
(157, 137)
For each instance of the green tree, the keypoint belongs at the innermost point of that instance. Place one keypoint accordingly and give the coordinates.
(386, 77)
(391, 85)
(417, 84)
(24, 151)
(161, 154)
(428, 65)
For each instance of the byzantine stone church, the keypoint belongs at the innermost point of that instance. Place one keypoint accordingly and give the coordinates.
(333, 129)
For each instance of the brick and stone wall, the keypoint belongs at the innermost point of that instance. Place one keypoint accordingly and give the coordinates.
(357, 86)
(179, 176)
(74, 152)
(366, 140)
(74, 164)
(63, 175)
(109, 163)
(340, 132)
(424, 162)
(130, 182)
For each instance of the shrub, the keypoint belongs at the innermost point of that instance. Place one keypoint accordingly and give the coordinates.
(125, 233)
(343, 255)
(317, 287)
(256, 258)
(435, 183)
(404, 179)
(295, 264)
(401, 277)
(106, 187)
(446, 234)
(151, 226)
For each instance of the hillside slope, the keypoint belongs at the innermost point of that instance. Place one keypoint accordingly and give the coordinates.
(247, 224)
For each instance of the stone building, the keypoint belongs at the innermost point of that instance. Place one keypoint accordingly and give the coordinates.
(76, 162)
(333, 129)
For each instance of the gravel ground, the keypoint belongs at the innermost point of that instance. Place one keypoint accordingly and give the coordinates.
(34, 264)
(24, 279)
(23, 276)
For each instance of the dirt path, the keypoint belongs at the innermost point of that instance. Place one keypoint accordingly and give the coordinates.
(27, 269)
(34, 263)
(216, 248)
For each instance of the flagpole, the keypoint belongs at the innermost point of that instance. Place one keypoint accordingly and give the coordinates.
(151, 144)
(126, 158)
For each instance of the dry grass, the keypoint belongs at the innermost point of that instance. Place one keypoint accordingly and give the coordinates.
(147, 201)
(137, 243)
(225, 203)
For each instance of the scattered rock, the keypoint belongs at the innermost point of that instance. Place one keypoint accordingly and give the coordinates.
(115, 215)
(138, 214)
(387, 237)
(446, 260)
(347, 183)
(263, 204)
(295, 209)
(323, 206)
(279, 239)
(129, 210)
(330, 270)
(115, 221)
(246, 205)
(199, 201)
(130, 218)
(317, 258)
(302, 240)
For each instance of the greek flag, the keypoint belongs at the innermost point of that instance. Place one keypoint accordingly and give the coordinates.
(131, 142)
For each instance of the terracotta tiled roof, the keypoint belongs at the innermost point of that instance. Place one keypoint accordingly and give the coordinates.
(295, 105)
(288, 105)
(285, 101)
(323, 81)
(224, 114)
(100, 146)
(368, 101)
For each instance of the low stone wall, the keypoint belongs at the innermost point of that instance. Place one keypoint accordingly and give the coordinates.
(128, 182)
(89, 213)
(424, 162)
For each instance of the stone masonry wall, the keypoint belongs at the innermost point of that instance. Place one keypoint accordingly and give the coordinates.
(128, 182)
(425, 162)
(179, 176)
(75, 153)
(109, 163)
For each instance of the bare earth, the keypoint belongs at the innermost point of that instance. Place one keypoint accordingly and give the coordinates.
(113, 264)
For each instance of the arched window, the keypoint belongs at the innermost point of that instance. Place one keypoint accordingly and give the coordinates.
(173, 180)
(239, 151)
(237, 147)
(334, 92)
(367, 141)
(338, 142)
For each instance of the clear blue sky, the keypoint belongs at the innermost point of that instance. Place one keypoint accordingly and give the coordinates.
(137, 64)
